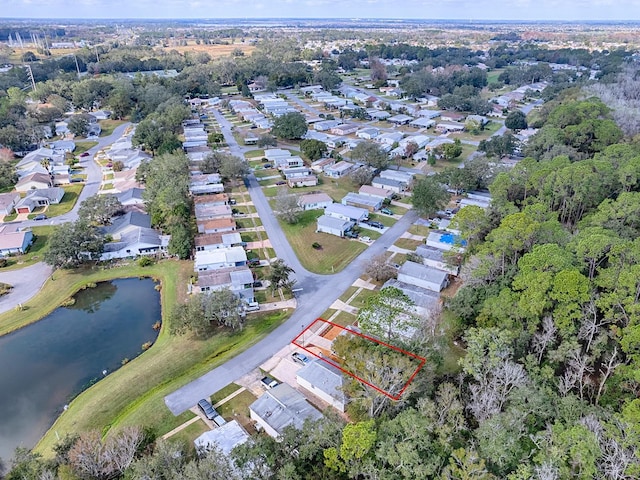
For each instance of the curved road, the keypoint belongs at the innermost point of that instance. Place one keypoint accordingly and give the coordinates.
(317, 295)
(28, 281)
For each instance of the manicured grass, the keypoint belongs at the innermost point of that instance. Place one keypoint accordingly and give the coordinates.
(108, 126)
(344, 319)
(224, 392)
(348, 292)
(419, 230)
(10, 218)
(238, 405)
(336, 252)
(107, 186)
(134, 394)
(82, 147)
(361, 299)
(36, 250)
(249, 237)
(327, 314)
(187, 435)
(407, 243)
(254, 154)
(336, 188)
(493, 75)
(489, 129)
(71, 194)
(109, 176)
(386, 220)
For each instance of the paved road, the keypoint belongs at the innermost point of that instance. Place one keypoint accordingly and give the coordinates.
(317, 295)
(28, 281)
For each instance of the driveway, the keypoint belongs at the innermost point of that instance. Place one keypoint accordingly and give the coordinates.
(26, 283)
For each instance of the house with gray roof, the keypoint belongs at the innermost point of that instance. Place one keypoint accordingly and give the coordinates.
(132, 196)
(346, 212)
(339, 169)
(362, 201)
(423, 276)
(220, 258)
(388, 184)
(434, 257)
(324, 381)
(126, 223)
(237, 279)
(424, 301)
(224, 438)
(7, 202)
(134, 242)
(281, 407)
(314, 201)
(333, 225)
(40, 197)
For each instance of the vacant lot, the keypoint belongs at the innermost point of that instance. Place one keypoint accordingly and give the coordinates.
(215, 51)
(335, 252)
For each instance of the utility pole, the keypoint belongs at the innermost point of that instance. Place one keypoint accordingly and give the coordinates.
(30, 74)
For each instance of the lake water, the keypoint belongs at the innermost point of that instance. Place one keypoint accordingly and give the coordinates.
(44, 365)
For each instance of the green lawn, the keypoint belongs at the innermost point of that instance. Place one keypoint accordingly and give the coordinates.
(254, 153)
(224, 392)
(187, 435)
(489, 129)
(71, 194)
(407, 243)
(36, 250)
(419, 230)
(361, 299)
(386, 220)
(82, 147)
(336, 252)
(348, 292)
(344, 319)
(108, 126)
(106, 186)
(134, 394)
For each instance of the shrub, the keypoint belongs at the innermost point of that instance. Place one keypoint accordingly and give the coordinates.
(146, 346)
(145, 262)
(316, 245)
(69, 302)
(3, 262)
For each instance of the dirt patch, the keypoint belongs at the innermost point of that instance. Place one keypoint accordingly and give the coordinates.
(215, 51)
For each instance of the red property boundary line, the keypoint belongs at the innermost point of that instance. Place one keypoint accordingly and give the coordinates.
(422, 360)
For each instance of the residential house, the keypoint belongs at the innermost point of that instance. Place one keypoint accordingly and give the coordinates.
(220, 258)
(293, 161)
(333, 225)
(449, 127)
(481, 119)
(422, 122)
(131, 196)
(398, 175)
(389, 184)
(273, 154)
(339, 169)
(206, 189)
(452, 116)
(213, 241)
(368, 133)
(127, 223)
(215, 199)
(205, 211)
(63, 146)
(314, 201)
(389, 138)
(445, 240)
(135, 242)
(14, 241)
(425, 302)
(101, 114)
(378, 114)
(420, 140)
(430, 114)
(436, 143)
(400, 119)
(306, 181)
(325, 381)
(345, 129)
(292, 172)
(42, 197)
(280, 407)
(346, 212)
(239, 280)
(223, 439)
(320, 164)
(363, 201)
(423, 276)
(375, 192)
(434, 257)
(7, 202)
(216, 225)
(34, 181)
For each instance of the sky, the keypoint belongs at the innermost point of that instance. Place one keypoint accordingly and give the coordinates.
(415, 9)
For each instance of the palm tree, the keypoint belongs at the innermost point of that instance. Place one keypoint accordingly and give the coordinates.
(279, 276)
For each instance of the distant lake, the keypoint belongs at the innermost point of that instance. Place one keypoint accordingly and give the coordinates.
(44, 365)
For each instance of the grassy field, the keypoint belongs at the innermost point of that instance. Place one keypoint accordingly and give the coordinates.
(336, 252)
(108, 126)
(407, 243)
(71, 194)
(419, 230)
(489, 129)
(82, 147)
(133, 395)
(254, 154)
(215, 51)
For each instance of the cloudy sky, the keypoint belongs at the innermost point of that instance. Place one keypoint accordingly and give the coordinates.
(427, 9)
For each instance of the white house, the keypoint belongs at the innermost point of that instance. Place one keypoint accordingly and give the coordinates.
(41, 197)
(445, 240)
(346, 212)
(237, 279)
(7, 202)
(314, 201)
(306, 181)
(434, 257)
(389, 184)
(280, 407)
(423, 276)
(363, 201)
(338, 170)
(398, 175)
(135, 242)
(368, 133)
(220, 258)
(225, 438)
(213, 241)
(333, 225)
(14, 241)
(325, 381)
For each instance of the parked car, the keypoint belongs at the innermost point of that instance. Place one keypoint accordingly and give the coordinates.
(40, 216)
(205, 407)
(281, 182)
(253, 262)
(257, 284)
(386, 211)
(350, 234)
(267, 165)
(232, 201)
(376, 224)
(84, 154)
(269, 383)
(252, 307)
(300, 358)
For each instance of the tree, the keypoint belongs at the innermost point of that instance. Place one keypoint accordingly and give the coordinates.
(224, 308)
(516, 120)
(429, 196)
(370, 153)
(287, 206)
(181, 240)
(71, 244)
(8, 176)
(215, 138)
(451, 151)
(189, 317)
(313, 149)
(78, 125)
(361, 176)
(99, 209)
(380, 270)
(266, 140)
(290, 126)
(388, 315)
(233, 167)
(279, 276)
(499, 145)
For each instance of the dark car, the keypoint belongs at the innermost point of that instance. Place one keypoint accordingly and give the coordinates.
(376, 224)
(300, 358)
(351, 234)
(85, 154)
(41, 216)
(281, 182)
(386, 211)
(205, 407)
(253, 262)
(269, 383)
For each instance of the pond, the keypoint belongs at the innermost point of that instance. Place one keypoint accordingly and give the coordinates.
(44, 365)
